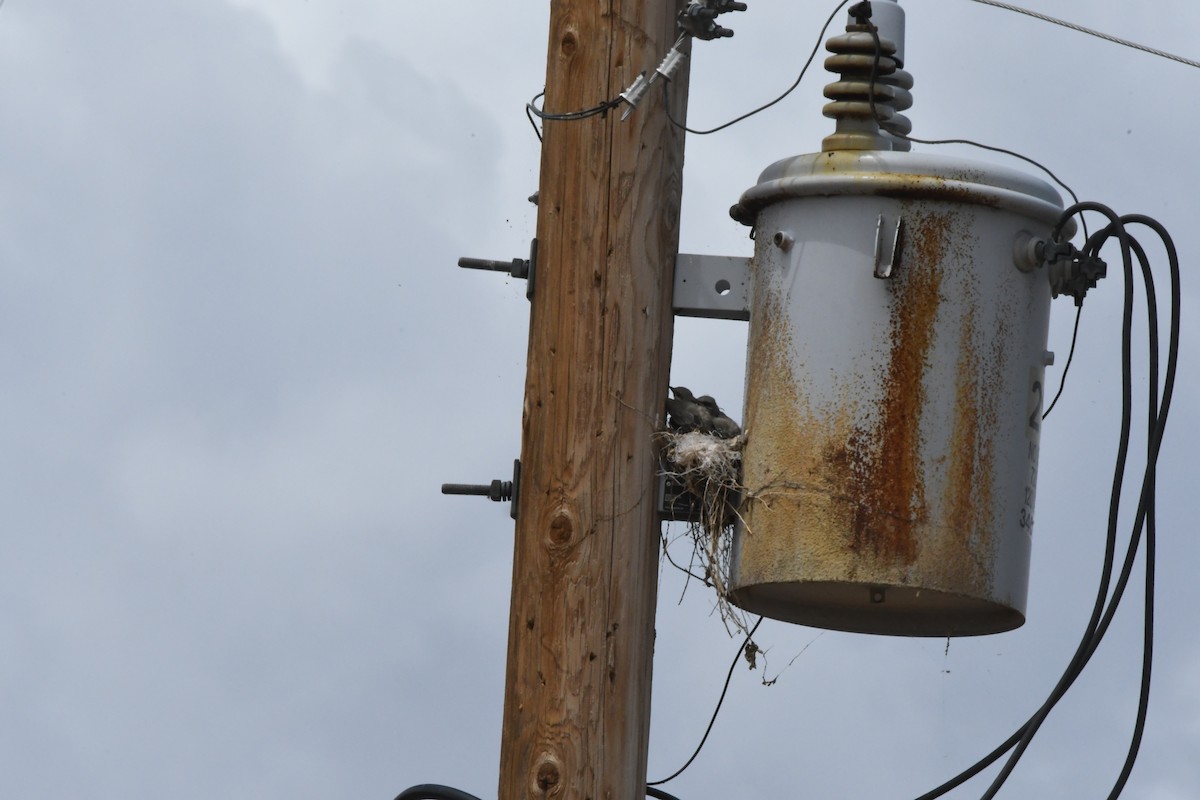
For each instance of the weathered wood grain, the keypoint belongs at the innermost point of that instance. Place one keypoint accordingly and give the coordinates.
(581, 631)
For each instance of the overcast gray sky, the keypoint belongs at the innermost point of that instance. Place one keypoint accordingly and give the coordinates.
(238, 361)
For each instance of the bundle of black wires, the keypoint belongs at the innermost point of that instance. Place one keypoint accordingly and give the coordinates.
(1109, 594)
(1161, 388)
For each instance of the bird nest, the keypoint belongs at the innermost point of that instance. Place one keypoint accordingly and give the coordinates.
(708, 470)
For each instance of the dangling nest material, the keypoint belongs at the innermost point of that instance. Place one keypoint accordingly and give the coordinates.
(709, 468)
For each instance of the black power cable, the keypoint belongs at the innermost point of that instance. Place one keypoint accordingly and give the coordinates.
(1157, 422)
(1091, 636)
(531, 111)
(434, 791)
(1144, 518)
(600, 108)
(713, 719)
(529, 114)
(1062, 380)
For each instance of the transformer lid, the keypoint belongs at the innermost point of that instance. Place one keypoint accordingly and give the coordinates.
(904, 175)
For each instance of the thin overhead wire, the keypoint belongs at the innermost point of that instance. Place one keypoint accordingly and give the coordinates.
(1062, 381)
(909, 138)
(1090, 32)
(764, 106)
(717, 710)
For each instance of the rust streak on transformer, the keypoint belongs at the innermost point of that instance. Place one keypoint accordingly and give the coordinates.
(868, 475)
(969, 477)
(968, 496)
(886, 474)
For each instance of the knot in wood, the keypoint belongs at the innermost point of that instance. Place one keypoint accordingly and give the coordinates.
(568, 44)
(547, 776)
(562, 529)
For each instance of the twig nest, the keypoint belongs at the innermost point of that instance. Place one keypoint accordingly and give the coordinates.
(703, 457)
(709, 467)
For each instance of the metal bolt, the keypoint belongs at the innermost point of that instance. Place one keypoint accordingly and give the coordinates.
(518, 267)
(497, 490)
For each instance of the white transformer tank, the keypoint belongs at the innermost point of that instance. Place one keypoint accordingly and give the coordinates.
(894, 393)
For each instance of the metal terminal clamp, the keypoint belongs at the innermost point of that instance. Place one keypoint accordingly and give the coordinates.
(699, 18)
(1071, 271)
(1068, 269)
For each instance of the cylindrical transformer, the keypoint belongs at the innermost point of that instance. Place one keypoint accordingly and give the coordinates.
(894, 393)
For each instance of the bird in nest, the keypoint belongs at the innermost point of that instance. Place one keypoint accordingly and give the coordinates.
(687, 413)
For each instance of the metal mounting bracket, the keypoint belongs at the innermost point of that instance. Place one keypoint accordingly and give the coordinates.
(712, 287)
(675, 502)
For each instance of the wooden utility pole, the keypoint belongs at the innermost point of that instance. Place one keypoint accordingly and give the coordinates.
(581, 630)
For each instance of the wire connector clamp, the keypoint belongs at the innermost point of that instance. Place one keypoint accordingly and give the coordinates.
(699, 18)
(1070, 271)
